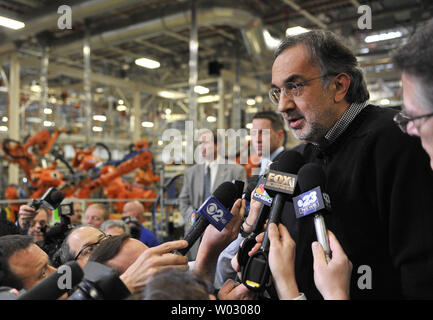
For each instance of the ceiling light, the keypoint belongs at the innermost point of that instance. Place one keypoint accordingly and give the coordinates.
(171, 94)
(11, 23)
(248, 138)
(3, 128)
(270, 41)
(160, 142)
(5, 119)
(259, 99)
(201, 90)
(251, 102)
(295, 31)
(99, 90)
(385, 102)
(48, 123)
(121, 108)
(99, 117)
(207, 99)
(120, 101)
(147, 63)
(167, 111)
(48, 111)
(97, 129)
(35, 88)
(211, 119)
(147, 124)
(249, 125)
(383, 36)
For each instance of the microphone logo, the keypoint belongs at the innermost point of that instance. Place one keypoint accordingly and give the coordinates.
(281, 182)
(215, 212)
(309, 202)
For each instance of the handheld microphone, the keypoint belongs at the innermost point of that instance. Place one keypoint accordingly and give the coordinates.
(314, 200)
(280, 184)
(56, 284)
(214, 210)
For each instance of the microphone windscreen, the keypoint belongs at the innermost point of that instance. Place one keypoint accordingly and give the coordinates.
(290, 161)
(311, 176)
(226, 193)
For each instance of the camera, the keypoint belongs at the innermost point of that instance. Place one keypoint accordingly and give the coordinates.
(50, 200)
(100, 283)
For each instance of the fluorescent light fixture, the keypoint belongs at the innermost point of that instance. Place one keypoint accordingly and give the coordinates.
(251, 102)
(147, 124)
(48, 123)
(121, 108)
(35, 88)
(171, 94)
(211, 119)
(270, 41)
(385, 102)
(97, 129)
(48, 111)
(5, 119)
(252, 110)
(3, 128)
(208, 99)
(11, 23)
(147, 63)
(201, 90)
(99, 117)
(249, 125)
(383, 36)
(295, 31)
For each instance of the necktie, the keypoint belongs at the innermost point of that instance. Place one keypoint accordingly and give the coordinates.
(207, 182)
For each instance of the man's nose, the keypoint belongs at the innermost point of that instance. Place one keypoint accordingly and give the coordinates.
(285, 103)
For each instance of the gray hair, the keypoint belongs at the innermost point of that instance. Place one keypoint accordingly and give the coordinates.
(333, 57)
(115, 223)
(415, 59)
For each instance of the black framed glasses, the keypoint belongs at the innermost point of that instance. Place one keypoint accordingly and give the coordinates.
(402, 119)
(291, 89)
(88, 248)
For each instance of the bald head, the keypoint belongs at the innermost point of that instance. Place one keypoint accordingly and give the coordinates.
(133, 209)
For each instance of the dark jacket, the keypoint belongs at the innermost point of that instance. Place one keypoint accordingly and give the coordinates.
(381, 189)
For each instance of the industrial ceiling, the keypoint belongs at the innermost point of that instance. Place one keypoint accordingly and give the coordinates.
(232, 43)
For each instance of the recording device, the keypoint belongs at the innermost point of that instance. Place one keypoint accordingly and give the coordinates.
(100, 283)
(134, 227)
(280, 184)
(56, 284)
(50, 200)
(214, 210)
(314, 200)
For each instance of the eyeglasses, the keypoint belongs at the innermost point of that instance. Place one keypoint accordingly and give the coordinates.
(291, 89)
(88, 249)
(402, 120)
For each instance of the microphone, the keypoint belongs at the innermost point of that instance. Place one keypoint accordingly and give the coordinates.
(314, 200)
(214, 210)
(280, 184)
(56, 284)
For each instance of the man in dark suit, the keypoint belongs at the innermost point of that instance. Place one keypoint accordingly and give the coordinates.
(201, 180)
(267, 137)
